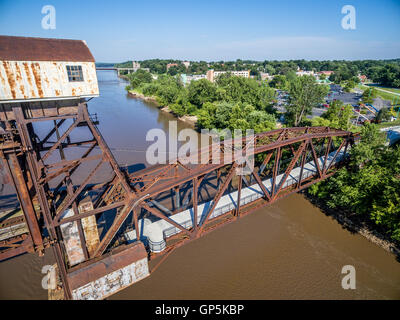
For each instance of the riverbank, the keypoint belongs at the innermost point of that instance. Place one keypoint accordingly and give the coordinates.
(356, 224)
(192, 120)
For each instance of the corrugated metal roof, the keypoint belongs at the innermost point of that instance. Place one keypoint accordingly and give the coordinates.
(42, 49)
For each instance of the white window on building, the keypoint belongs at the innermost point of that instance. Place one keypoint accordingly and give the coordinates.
(74, 73)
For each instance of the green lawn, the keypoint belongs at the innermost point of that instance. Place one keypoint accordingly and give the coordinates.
(382, 94)
(388, 124)
(395, 90)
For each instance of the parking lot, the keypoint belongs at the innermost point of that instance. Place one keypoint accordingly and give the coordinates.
(336, 93)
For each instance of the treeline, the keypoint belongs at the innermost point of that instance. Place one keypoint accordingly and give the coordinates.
(104, 64)
(369, 186)
(388, 75)
(384, 72)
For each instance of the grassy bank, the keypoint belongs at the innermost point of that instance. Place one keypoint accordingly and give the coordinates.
(388, 124)
(382, 94)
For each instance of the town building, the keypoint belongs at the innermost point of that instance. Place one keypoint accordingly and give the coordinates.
(326, 73)
(304, 73)
(135, 66)
(186, 64)
(186, 79)
(265, 76)
(363, 78)
(169, 65)
(213, 75)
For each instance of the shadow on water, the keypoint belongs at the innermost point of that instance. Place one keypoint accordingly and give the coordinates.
(135, 167)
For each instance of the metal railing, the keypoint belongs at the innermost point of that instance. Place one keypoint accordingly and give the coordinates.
(227, 207)
(174, 230)
(156, 246)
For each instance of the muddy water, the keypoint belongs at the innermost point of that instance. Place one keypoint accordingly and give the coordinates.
(289, 250)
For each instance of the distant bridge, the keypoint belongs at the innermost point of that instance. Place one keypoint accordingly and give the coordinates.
(116, 69)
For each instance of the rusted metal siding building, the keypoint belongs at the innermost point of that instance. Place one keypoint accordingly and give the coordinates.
(37, 69)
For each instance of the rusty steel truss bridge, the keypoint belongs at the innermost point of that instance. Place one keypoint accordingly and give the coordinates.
(98, 218)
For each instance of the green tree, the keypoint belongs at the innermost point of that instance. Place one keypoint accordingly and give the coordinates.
(221, 115)
(243, 90)
(139, 77)
(304, 94)
(389, 75)
(383, 115)
(339, 115)
(349, 85)
(201, 91)
(369, 185)
(279, 82)
(369, 95)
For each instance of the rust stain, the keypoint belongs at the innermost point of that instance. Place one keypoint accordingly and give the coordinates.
(18, 73)
(47, 81)
(36, 74)
(73, 92)
(22, 89)
(28, 74)
(3, 82)
(10, 79)
(58, 92)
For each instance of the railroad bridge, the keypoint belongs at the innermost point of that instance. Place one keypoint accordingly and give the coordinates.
(105, 228)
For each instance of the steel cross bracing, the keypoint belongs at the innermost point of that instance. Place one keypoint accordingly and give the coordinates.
(49, 181)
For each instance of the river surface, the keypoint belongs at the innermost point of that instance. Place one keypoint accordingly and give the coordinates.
(288, 250)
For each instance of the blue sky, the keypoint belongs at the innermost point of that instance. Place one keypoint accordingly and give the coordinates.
(119, 30)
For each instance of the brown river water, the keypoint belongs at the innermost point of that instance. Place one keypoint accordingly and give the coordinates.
(288, 250)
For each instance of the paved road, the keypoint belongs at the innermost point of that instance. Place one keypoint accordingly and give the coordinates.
(346, 97)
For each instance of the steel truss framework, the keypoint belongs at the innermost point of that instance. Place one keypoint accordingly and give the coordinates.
(43, 174)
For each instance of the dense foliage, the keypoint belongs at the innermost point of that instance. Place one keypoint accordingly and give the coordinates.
(370, 185)
(369, 95)
(231, 102)
(304, 94)
(337, 116)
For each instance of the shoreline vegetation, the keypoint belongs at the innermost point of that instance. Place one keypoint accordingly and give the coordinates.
(192, 120)
(363, 197)
(228, 103)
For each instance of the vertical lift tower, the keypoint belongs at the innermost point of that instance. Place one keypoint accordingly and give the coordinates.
(51, 151)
